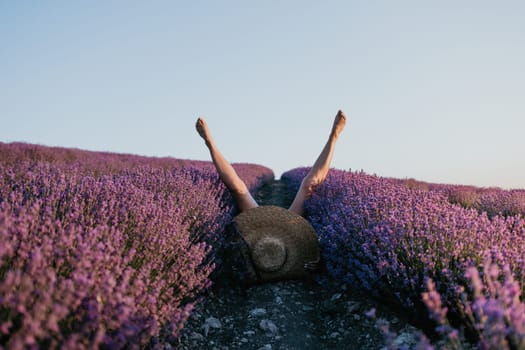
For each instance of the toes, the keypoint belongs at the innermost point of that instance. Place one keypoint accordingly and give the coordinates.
(202, 129)
(200, 125)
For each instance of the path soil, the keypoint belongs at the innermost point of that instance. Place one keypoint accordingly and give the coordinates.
(287, 315)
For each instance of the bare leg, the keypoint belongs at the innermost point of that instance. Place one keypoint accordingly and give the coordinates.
(226, 172)
(319, 170)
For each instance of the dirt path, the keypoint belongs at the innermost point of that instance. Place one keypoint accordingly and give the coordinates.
(287, 315)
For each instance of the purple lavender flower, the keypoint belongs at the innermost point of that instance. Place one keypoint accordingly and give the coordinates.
(105, 249)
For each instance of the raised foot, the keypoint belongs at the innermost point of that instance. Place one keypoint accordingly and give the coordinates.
(202, 129)
(339, 123)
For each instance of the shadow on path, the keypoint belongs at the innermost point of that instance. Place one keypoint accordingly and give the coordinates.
(276, 193)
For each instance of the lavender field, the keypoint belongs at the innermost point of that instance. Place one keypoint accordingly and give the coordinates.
(100, 250)
(457, 271)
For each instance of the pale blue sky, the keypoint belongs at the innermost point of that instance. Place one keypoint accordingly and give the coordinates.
(433, 89)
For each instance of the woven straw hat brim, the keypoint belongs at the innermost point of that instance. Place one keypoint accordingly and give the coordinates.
(275, 223)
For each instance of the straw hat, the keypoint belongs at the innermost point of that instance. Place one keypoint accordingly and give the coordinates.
(279, 242)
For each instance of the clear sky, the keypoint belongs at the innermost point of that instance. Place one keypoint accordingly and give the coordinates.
(433, 90)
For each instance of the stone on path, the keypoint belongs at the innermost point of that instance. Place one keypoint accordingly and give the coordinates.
(266, 347)
(269, 327)
(196, 336)
(406, 338)
(258, 312)
(211, 322)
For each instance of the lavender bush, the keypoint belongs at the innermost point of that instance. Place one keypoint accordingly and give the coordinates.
(105, 250)
(390, 240)
(493, 305)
